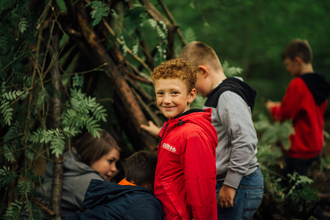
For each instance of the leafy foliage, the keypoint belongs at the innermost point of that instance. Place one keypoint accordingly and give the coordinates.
(231, 71)
(6, 177)
(276, 133)
(99, 10)
(22, 26)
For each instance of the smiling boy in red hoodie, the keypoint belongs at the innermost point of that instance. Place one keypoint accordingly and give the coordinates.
(185, 174)
(304, 103)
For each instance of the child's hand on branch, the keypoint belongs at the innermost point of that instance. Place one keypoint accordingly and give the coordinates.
(151, 128)
(226, 197)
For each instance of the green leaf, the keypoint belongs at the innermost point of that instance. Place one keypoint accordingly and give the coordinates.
(22, 26)
(61, 5)
(77, 81)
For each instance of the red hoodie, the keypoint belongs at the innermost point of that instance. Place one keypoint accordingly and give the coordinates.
(186, 174)
(299, 105)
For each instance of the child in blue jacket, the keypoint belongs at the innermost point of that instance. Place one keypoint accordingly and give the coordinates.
(131, 199)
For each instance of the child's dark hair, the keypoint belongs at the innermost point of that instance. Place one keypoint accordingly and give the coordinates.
(298, 48)
(140, 168)
(90, 149)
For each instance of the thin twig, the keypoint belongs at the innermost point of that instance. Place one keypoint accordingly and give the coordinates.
(16, 59)
(128, 50)
(10, 139)
(173, 21)
(146, 108)
(42, 206)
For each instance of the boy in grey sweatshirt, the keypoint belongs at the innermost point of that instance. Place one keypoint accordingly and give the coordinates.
(239, 180)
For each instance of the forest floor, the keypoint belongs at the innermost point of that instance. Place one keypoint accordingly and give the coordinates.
(322, 178)
(319, 172)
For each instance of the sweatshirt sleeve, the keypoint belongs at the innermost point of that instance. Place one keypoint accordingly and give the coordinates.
(291, 103)
(200, 176)
(236, 118)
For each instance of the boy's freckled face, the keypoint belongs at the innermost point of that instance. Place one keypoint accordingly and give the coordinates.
(292, 67)
(172, 96)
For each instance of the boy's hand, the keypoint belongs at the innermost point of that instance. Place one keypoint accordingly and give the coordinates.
(151, 128)
(270, 104)
(226, 197)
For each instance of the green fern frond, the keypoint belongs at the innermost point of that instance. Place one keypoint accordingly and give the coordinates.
(123, 45)
(100, 10)
(161, 30)
(189, 35)
(231, 71)
(12, 95)
(6, 111)
(21, 189)
(57, 144)
(152, 23)
(91, 125)
(8, 153)
(71, 131)
(22, 26)
(99, 112)
(6, 176)
(135, 48)
(77, 81)
(13, 211)
(3, 43)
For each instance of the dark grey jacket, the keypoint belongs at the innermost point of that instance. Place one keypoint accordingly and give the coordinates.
(76, 179)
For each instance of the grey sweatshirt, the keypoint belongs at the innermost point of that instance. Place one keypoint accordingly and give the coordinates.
(76, 179)
(237, 139)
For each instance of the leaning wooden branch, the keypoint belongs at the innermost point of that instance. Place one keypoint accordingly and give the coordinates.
(143, 78)
(173, 21)
(113, 72)
(139, 90)
(42, 206)
(157, 16)
(128, 50)
(58, 161)
(152, 115)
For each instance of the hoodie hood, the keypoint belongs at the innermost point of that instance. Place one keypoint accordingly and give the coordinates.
(233, 84)
(317, 85)
(101, 192)
(71, 167)
(200, 117)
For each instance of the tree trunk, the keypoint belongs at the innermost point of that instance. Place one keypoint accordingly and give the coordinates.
(58, 161)
(111, 70)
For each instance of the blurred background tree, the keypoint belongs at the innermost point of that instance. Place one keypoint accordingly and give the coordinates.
(251, 34)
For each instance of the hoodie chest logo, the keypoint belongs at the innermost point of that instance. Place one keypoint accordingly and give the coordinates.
(169, 148)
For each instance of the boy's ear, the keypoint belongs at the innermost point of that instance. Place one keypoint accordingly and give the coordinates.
(298, 60)
(192, 95)
(204, 70)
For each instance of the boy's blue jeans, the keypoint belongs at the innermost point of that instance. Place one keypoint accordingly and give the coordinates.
(247, 199)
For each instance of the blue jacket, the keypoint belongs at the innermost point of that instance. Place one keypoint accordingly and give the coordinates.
(106, 200)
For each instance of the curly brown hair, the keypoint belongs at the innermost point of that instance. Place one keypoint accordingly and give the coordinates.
(176, 68)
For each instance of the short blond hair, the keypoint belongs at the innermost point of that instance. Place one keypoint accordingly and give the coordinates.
(199, 53)
(176, 68)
